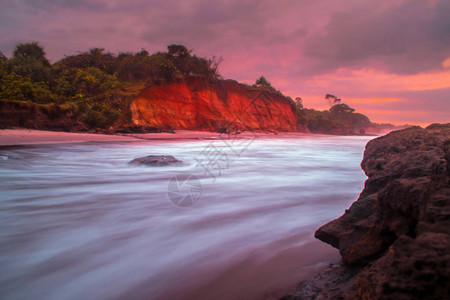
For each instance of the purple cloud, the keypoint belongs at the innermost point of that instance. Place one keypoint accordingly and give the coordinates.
(291, 42)
(408, 37)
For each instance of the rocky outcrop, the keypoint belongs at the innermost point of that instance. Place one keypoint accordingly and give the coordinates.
(336, 282)
(156, 160)
(399, 228)
(411, 269)
(222, 106)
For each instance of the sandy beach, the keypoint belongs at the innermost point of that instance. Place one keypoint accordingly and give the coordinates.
(10, 137)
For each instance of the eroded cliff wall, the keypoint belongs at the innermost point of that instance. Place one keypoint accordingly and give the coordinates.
(222, 106)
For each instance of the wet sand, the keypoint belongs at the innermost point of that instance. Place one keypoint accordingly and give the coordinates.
(10, 137)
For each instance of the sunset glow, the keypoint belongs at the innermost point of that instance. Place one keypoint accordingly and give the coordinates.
(304, 48)
(226, 149)
(446, 63)
(384, 100)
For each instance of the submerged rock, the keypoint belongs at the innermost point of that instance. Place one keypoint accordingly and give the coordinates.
(399, 228)
(156, 160)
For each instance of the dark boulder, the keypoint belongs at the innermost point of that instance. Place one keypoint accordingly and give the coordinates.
(398, 231)
(408, 180)
(411, 269)
(156, 160)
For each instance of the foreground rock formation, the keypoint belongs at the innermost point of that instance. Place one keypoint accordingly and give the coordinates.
(397, 234)
(222, 106)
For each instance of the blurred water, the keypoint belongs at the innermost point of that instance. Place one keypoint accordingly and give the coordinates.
(78, 222)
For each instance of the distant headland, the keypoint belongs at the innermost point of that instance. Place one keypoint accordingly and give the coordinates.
(97, 91)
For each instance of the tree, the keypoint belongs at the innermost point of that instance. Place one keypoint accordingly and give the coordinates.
(206, 68)
(262, 81)
(332, 99)
(213, 66)
(3, 58)
(142, 53)
(92, 81)
(181, 58)
(29, 60)
(135, 67)
(16, 87)
(341, 108)
(178, 50)
(95, 57)
(166, 70)
(30, 51)
(86, 83)
(104, 61)
(299, 103)
(180, 63)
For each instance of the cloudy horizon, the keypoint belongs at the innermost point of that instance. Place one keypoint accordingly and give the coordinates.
(388, 59)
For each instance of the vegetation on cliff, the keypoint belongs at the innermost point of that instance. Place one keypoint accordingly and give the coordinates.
(97, 85)
(95, 88)
(339, 119)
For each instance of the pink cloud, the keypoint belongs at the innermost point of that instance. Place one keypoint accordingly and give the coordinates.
(359, 50)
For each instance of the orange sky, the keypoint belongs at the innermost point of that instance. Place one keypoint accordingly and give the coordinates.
(387, 94)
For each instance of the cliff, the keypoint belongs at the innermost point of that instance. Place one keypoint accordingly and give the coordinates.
(222, 106)
(26, 114)
(92, 91)
(395, 239)
(191, 103)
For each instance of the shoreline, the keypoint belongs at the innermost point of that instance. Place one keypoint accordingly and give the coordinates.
(20, 136)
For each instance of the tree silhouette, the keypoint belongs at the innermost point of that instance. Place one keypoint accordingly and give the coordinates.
(299, 103)
(332, 99)
(3, 58)
(32, 50)
(341, 108)
(29, 60)
(178, 50)
(262, 81)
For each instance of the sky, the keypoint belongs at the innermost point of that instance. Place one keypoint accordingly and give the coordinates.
(389, 59)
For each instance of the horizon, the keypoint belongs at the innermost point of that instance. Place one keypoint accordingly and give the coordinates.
(390, 60)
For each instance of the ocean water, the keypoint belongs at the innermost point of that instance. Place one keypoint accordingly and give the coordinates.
(235, 220)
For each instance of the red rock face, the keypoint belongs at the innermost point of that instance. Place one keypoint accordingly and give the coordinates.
(223, 106)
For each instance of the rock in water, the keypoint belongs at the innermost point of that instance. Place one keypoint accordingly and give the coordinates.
(156, 160)
(399, 228)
